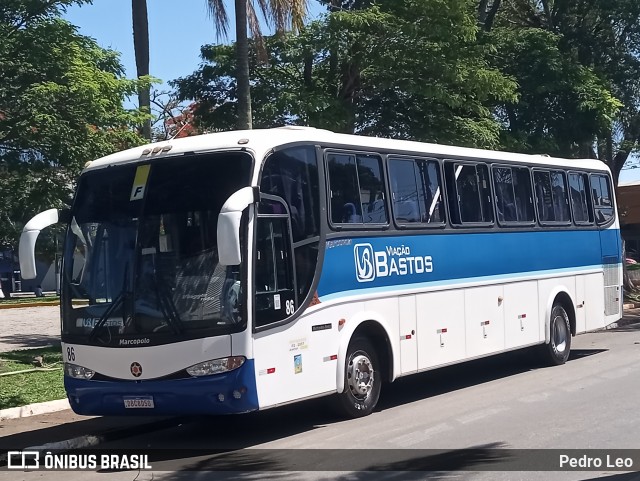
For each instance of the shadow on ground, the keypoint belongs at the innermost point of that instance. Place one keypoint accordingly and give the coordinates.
(22, 341)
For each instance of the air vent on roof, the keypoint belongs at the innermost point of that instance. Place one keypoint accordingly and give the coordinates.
(296, 127)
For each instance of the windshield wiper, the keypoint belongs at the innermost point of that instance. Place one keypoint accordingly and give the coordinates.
(168, 307)
(119, 300)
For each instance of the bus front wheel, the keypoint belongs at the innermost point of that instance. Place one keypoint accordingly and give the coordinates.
(362, 380)
(557, 350)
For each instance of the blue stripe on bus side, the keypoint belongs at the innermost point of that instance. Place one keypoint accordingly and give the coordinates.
(376, 264)
(361, 291)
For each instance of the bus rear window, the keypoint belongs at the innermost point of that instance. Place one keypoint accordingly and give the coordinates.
(602, 204)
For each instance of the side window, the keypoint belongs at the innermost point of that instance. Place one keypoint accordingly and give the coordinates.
(274, 278)
(357, 189)
(514, 202)
(580, 201)
(551, 196)
(602, 203)
(416, 191)
(469, 193)
(292, 174)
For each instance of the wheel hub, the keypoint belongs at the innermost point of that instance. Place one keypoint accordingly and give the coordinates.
(360, 376)
(560, 334)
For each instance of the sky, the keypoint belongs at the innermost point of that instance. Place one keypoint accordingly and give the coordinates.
(177, 30)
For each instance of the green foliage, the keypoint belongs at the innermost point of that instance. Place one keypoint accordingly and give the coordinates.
(577, 63)
(31, 387)
(562, 105)
(351, 72)
(60, 105)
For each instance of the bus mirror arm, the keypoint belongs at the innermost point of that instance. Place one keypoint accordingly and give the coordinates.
(229, 224)
(29, 237)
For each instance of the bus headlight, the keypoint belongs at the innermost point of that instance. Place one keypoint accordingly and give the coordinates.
(78, 372)
(216, 366)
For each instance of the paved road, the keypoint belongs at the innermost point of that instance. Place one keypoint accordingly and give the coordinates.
(29, 327)
(508, 401)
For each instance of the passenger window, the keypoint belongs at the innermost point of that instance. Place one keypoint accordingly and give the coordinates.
(602, 203)
(551, 196)
(357, 189)
(514, 202)
(580, 202)
(293, 175)
(469, 193)
(416, 191)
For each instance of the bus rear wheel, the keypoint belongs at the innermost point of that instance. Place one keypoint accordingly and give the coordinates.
(362, 380)
(559, 346)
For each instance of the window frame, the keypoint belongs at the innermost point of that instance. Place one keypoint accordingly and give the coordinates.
(611, 197)
(287, 217)
(453, 190)
(550, 170)
(516, 223)
(443, 192)
(356, 226)
(588, 198)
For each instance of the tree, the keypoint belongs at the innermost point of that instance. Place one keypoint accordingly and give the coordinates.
(284, 14)
(578, 66)
(140, 22)
(563, 105)
(61, 104)
(172, 118)
(334, 74)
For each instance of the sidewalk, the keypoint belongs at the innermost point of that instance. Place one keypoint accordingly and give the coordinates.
(66, 430)
(29, 326)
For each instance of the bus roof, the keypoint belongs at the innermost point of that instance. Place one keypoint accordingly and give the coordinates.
(261, 141)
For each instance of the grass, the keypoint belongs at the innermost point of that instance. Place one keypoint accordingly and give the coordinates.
(30, 387)
(30, 300)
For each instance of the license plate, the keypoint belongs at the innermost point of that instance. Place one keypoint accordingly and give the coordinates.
(145, 402)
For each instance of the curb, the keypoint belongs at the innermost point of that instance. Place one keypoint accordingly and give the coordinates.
(28, 304)
(34, 409)
(90, 440)
(81, 442)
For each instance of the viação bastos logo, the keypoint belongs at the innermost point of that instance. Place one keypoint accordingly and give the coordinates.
(393, 261)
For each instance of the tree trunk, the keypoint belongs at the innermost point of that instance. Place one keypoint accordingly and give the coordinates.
(486, 16)
(141, 48)
(242, 66)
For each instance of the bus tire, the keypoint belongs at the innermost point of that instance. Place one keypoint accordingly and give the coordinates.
(362, 380)
(559, 346)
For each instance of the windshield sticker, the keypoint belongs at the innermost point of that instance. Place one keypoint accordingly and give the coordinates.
(298, 345)
(276, 302)
(297, 363)
(140, 182)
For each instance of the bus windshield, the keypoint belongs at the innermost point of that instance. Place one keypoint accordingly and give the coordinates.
(141, 252)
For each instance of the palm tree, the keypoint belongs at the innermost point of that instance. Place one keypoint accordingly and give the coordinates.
(284, 14)
(141, 48)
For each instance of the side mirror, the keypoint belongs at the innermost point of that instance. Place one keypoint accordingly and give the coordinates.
(29, 236)
(229, 225)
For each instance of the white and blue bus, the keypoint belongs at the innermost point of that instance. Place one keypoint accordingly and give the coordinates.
(238, 271)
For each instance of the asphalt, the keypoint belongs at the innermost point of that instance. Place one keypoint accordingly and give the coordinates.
(66, 430)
